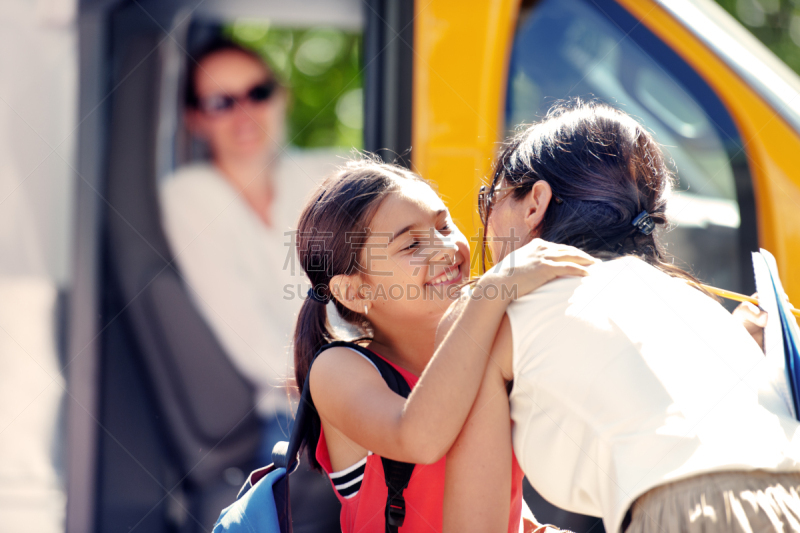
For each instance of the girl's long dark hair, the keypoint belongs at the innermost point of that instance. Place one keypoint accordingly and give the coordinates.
(605, 168)
(330, 240)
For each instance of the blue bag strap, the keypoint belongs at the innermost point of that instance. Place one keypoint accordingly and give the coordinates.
(285, 454)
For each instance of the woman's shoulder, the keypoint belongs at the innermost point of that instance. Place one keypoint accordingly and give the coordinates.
(624, 280)
(628, 275)
(199, 179)
(195, 195)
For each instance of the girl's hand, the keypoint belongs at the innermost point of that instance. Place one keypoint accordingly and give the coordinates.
(533, 265)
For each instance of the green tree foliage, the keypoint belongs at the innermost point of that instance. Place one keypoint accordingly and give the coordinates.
(776, 23)
(321, 67)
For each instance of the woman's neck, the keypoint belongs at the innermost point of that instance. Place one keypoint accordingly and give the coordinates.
(410, 350)
(253, 179)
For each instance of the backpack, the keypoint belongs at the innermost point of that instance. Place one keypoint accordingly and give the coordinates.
(263, 502)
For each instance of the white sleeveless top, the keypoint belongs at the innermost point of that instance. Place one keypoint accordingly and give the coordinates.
(628, 379)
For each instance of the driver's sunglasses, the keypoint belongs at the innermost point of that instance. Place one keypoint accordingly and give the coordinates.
(219, 104)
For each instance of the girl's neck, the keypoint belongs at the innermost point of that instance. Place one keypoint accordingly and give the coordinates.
(253, 180)
(410, 351)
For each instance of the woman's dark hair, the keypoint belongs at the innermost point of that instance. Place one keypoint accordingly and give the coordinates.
(604, 169)
(330, 242)
(217, 45)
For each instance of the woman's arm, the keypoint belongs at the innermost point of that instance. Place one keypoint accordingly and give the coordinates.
(477, 492)
(352, 397)
(478, 487)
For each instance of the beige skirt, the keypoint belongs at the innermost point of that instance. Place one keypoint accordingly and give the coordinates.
(751, 502)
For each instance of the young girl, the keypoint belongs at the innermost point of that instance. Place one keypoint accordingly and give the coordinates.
(379, 243)
(636, 397)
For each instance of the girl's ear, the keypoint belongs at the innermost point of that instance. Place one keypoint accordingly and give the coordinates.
(344, 290)
(536, 203)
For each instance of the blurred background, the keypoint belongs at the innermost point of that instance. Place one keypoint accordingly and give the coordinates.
(121, 405)
(776, 23)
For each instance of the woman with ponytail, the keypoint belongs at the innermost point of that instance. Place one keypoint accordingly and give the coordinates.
(636, 396)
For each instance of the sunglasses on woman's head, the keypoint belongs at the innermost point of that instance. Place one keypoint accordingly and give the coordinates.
(218, 104)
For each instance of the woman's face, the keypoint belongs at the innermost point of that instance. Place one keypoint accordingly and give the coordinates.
(506, 229)
(249, 129)
(415, 257)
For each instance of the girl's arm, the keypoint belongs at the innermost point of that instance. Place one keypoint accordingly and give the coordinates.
(352, 398)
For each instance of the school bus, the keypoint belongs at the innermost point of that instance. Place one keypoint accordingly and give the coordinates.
(152, 438)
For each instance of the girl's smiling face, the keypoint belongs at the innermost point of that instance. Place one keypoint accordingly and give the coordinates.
(414, 258)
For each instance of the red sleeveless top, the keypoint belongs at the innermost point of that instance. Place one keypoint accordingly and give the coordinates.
(363, 511)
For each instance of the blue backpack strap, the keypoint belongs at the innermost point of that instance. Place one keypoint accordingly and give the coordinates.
(396, 473)
(285, 454)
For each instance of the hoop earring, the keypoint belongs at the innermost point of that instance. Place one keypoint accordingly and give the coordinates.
(366, 310)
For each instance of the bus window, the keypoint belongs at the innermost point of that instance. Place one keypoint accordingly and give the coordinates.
(597, 50)
(322, 66)
(299, 133)
(183, 328)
